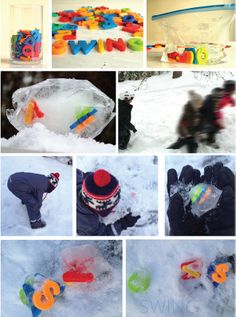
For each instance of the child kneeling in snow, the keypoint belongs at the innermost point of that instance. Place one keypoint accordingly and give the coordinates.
(97, 195)
(188, 124)
(30, 188)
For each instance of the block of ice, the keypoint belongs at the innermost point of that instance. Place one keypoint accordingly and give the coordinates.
(62, 106)
(204, 197)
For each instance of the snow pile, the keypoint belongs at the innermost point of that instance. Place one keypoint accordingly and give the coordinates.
(56, 208)
(158, 105)
(138, 180)
(198, 162)
(168, 295)
(39, 139)
(19, 259)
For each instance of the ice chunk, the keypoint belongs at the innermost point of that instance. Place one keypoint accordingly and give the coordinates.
(183, 189)
(87, 259)
(62, 106)
(204, 197)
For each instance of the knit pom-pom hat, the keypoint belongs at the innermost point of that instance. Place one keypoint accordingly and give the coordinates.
(53, 181)
(100, 192)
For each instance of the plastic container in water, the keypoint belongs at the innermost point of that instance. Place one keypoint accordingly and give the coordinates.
(204, 197)
(26, 34)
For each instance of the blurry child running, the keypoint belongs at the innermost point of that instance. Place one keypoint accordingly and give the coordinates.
(188, 124)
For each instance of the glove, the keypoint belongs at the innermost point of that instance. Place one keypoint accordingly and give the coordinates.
(181, 220)
(134, 130)
(221, 220)
(128, 221)
(218, 221)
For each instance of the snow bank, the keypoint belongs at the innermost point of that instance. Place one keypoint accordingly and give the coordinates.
(56, 208)
(168, 297)
(40, 139)
(19, 259)
(138, 181)
(158, 105)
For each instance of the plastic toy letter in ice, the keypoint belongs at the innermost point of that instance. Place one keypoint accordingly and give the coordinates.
(139, 281)
(85, 268)
(43, 299)
(219, 270)
(38, 293)
(58, 105)
(204, 197)
(192, 269)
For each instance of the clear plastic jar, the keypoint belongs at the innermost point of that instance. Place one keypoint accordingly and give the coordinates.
(26, 34)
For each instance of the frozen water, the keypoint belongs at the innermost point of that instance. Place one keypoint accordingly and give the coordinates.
(63, 102)
(197, 162)
(19, 259)
(210, 198)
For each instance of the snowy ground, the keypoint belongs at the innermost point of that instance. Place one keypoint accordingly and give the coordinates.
(56, 208)
(198, 162)
(158, 105)
(40, 139)
(166, 296)
(138, 181)
(19, 260)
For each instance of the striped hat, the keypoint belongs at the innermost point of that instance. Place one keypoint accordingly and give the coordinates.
(100, 192)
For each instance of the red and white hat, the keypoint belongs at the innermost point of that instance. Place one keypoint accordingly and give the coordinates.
(54, 179)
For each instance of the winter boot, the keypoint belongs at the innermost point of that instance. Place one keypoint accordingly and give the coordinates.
(178, 144)
(37, 224)
(191, 145)
(123, 146)
(214, 145)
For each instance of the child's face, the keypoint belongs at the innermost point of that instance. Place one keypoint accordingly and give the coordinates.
(198, 104)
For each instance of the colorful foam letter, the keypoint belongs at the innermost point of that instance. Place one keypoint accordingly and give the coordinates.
(119, 45)
(135, 44)
(82, 46)
(43, 299)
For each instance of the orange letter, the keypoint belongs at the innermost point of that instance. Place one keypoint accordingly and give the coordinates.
(44, 299)
(220, 274)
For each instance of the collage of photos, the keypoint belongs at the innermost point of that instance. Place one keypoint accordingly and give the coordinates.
(118, 158)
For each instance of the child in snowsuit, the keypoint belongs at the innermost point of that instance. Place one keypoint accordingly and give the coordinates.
(188, 124)
(211, 112)
(97, 195)
(30, 188)
(125, 125)
(226, 100)
(208, 123)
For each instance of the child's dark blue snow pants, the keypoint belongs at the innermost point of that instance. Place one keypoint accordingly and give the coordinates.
(29, 187)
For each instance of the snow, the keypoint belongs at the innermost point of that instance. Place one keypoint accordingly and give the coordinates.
(19, 260)
(167, 296)
(39, 139)
(138, 180)
(198, 162)
(56, 209)
(158, 105)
